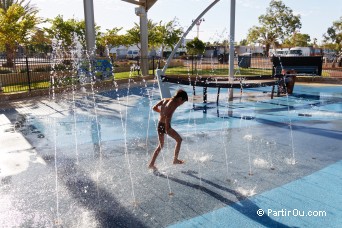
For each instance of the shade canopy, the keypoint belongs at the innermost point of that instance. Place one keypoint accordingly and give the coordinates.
(147, 4)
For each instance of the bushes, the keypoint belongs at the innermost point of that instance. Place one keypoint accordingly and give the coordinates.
(5, 71)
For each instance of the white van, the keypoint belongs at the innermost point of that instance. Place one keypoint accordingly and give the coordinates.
(299, 51)
(132, 54)
(305, 51)
(279, 52)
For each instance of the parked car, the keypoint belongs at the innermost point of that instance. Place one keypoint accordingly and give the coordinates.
(132, 54)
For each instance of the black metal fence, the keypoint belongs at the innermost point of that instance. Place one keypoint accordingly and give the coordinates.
(24, 73)
(29, 73)
(243, 66)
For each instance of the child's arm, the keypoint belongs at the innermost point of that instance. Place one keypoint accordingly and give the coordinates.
(156, 106)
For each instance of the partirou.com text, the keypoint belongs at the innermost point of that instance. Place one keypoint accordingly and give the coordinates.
(292, 212)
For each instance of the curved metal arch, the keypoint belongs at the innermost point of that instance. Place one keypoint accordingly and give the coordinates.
(163, 86)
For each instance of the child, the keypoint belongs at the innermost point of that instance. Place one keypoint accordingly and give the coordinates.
(166, 107)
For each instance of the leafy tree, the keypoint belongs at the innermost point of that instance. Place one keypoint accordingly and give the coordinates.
(133, 35)
(17, 23)
(334, 35)
(195, 47)
(298, 39)
(111, 38)
(66, 30)
(276, 25)
(168, 34)
(28, 7)
(244, 42)
(39, 42)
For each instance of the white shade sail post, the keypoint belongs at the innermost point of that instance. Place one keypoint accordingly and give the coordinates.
(231, 47)
(90, 26)
(141, 12)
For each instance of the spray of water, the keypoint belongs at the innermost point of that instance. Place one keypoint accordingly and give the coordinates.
(293, 158)
(56, 173)
(124, 129)
(248, 137)
(76, 55)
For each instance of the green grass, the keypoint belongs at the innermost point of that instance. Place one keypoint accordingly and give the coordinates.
(125, 75)
(169, 71)
(21, 88)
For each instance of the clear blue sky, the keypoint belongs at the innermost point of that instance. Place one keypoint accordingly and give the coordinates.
(316, 15)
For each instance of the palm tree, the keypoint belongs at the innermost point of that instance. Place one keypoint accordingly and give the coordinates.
(5, 4)
(18, 19)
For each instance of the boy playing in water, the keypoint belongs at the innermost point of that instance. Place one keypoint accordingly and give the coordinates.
(166, 107)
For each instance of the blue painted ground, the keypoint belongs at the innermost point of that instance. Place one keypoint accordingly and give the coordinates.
(82, 161)
(312, 201)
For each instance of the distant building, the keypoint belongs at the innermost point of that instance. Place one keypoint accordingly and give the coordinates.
(254, 50)
(118, 52)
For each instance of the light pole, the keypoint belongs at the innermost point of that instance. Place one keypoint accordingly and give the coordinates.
(198, 23)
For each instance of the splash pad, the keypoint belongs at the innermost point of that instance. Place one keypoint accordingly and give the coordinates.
(84, 160)
(79, 159)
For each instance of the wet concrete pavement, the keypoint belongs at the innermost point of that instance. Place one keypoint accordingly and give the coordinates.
(229, 174)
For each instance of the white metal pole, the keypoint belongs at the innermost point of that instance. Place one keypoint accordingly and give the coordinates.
(143, 40)
(90, 26)
(231, 47)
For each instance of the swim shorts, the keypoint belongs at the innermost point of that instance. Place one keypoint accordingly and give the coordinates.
(161, 128)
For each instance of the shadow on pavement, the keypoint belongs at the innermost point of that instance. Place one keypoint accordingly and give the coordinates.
(245, 206)
(108, 211)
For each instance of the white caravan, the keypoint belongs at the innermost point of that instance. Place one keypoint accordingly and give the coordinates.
(305, 51)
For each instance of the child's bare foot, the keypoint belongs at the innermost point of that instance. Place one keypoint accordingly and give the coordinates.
(177, 161)
(152, 167)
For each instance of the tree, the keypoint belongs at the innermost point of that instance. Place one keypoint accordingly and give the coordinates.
(167, 35)
(133, 35)
(298, 39)
(334, 35)
(28, 7)
(195, 47)
(276, 25)
(111, 38)
(39, 43)
(17, 24)
(244, 42)
(66, 31)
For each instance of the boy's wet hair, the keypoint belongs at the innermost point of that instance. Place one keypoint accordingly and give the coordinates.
(182, 94)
